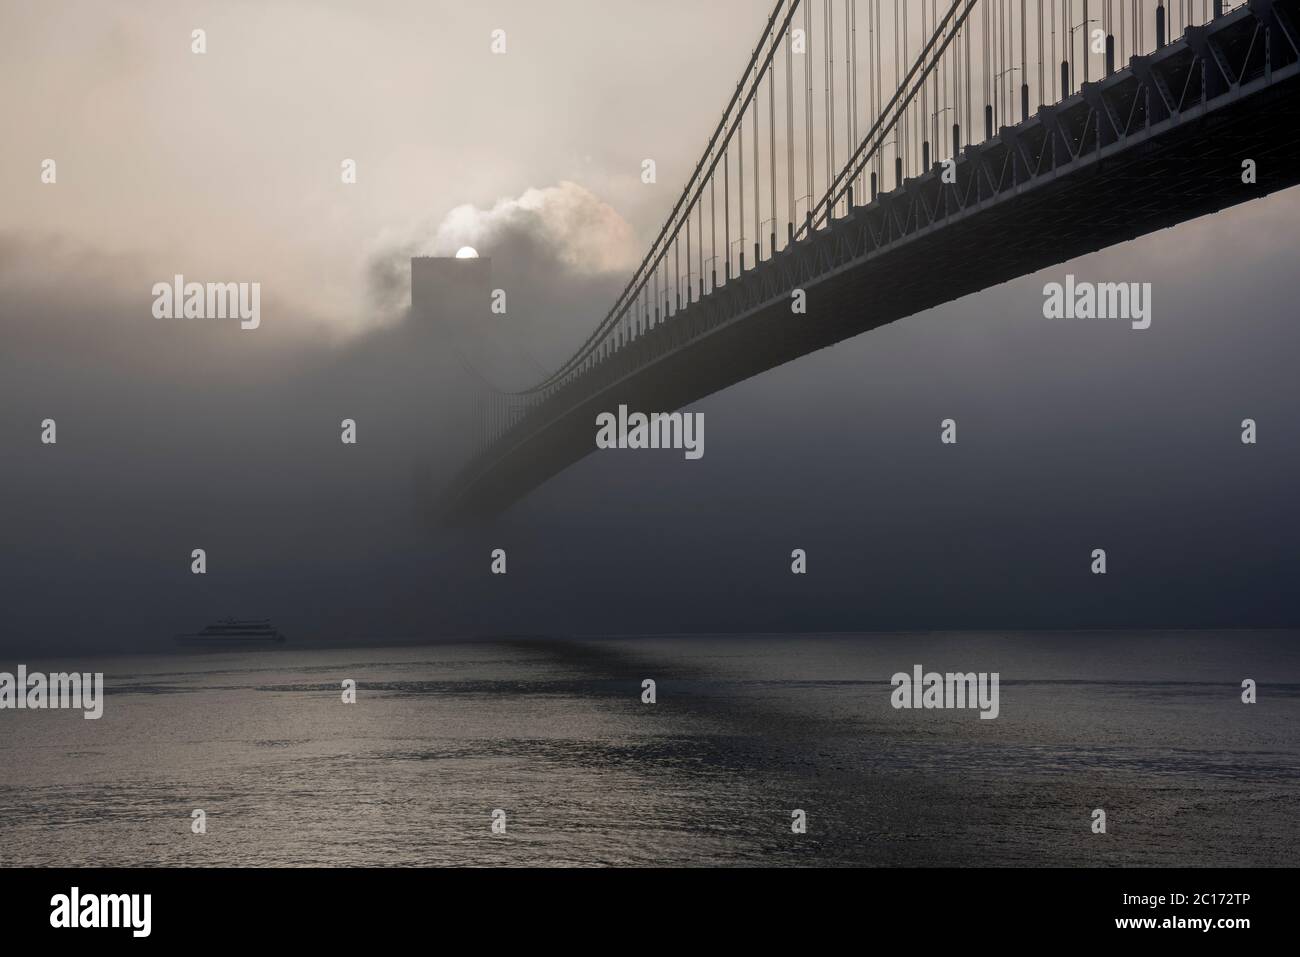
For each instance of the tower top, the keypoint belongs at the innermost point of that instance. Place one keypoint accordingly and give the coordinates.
(450, 288)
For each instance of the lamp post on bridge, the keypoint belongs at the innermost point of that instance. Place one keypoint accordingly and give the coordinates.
(741, 243)
(1067, 66)
(1025, 98)
(898, 161)
(758, 246)
(713, 272)
(925, 147)
(807, 213)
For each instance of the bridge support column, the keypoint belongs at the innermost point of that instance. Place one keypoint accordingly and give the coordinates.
(956, 140)
(988, 121)
(1110, 53)
(873, 186)
(1218, 9)
(1065, 78)
(925, 156)
(1160, 26)
(1024, 102)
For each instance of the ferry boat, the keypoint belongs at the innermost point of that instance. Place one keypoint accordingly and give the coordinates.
(236, 631)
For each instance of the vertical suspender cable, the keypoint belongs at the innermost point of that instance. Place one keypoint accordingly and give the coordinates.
(970, 88)
(848, 78)
(853, 79)
(828, 101)
(789, 125)
(677, 263)
(726, 212)
(740, 167)
(758, 238)
(689, 293)
(1024, 59)
(898, 81)
(808, 100)
(906, 139)
(922, 120)
(771, 131)
(1057, 81)
(713, 231)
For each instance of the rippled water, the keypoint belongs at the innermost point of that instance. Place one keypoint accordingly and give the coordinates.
(1149, 727)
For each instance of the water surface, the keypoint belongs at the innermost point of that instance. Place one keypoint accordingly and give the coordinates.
(1148, 726)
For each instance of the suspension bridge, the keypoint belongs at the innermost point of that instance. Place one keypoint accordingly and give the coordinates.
(886, 157)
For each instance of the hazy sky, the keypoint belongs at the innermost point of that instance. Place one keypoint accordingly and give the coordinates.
(225, 166)
(228, 163)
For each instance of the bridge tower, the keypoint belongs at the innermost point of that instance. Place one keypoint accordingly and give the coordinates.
(445, 289)
(451, 303)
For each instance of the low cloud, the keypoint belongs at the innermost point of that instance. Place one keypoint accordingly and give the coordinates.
(555, 233)
(582, 233)
(560, 252)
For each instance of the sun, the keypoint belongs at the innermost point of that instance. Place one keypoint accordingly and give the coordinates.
(467, 252)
